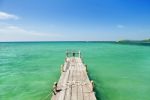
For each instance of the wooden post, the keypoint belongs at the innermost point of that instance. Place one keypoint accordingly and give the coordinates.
(86, 67)
(54, 88)
(62, 68)
(79, 54)
(74, 54)
(92, 83)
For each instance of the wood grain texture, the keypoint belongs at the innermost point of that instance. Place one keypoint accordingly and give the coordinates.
(74, 83)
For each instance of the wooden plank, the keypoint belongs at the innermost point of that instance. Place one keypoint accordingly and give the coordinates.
(69, 88)
(63, 91)
(74, 85)
(61, 80)
(66, 65)
(68, 92)
(80, 90)
(85, 90)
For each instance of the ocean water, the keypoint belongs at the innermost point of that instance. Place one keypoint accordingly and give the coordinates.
(119, 71)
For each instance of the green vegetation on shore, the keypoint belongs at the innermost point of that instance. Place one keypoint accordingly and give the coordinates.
(134, 41)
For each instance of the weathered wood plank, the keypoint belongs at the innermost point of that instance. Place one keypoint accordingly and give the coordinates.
(74, 85)
(80, 90)
(64, 85)
(69, 88)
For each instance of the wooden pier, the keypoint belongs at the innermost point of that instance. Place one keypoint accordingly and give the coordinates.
(74, 83)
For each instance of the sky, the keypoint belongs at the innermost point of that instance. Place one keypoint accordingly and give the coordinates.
(74, 20)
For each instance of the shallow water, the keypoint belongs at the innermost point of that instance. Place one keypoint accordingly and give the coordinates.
(120, 72)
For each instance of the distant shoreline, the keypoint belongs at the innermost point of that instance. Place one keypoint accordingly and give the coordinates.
(128, 42)
(120, 41)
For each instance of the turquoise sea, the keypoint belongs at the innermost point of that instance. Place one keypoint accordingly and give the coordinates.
(119, 71)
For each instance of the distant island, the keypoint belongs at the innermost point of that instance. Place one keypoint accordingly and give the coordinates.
(146, 40)
(134, 41)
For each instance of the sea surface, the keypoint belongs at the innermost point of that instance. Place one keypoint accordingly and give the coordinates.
(120, 71)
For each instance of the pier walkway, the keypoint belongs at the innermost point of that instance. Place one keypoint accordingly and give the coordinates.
(74, 83)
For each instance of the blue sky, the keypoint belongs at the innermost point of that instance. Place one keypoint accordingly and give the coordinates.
(74, 20)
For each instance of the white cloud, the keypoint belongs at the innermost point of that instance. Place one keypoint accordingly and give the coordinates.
(15, 33)
(120, 26)
(7, 16)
